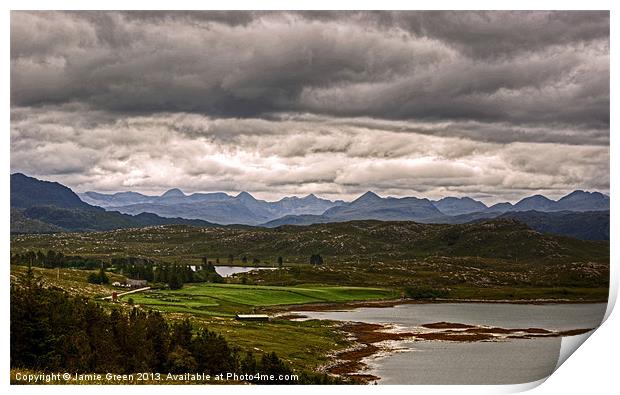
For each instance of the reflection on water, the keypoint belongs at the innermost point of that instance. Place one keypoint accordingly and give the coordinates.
(501, 362)
(227, 271)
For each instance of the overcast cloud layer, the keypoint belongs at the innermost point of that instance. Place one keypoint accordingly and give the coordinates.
(494, 105)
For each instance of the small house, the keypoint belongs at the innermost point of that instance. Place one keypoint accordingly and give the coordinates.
(136, 283)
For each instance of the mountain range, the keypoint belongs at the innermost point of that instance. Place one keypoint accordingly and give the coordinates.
(580, 214)
(44, 206)
(244, 209)
(216, 207)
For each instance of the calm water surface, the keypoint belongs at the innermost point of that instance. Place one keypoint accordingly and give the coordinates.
(439, 362)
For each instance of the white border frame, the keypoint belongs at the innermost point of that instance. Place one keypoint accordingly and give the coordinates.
(592, 369)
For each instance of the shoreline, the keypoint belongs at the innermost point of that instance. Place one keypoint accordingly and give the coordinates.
(327, 306)
(369, 336)
(371, 339)
(349, 362)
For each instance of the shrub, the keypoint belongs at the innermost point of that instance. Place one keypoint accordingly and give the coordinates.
(425, 293)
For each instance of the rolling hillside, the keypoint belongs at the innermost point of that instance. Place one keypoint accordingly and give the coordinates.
(499, 239)
(588, 225)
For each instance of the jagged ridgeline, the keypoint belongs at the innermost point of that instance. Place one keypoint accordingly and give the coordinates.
(46, 207)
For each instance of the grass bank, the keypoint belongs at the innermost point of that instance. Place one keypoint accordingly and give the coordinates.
(229, 299)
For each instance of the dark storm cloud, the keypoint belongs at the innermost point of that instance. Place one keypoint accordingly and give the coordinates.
(495, 34)
(335, 103)
(524, 67)
(484, 33)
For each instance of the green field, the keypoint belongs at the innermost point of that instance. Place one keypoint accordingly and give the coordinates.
(228, 299)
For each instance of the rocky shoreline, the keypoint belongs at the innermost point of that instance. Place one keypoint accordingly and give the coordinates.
(371, 339)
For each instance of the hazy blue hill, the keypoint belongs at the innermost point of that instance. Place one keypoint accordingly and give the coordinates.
(173, 193)
(215, 207)
(307, 205)
(171, 197)
(221, 212)
(583, 201)
(588, 225)
(574, 201)
(208, 197)
(260, 209)
(500, 207)
(297, 220)
(536, 202)
(121, 199)
(115, 199)
(470, 217)
(457, 206)
(371, 206)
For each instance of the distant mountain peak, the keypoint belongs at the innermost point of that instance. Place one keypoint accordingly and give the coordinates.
(452, 205)
(454, 198)
(368, 197)
(29, 191)
(245, 196)
(309, 197)
(534, 198)
(580, 194)
(538, 197)
(174, 192)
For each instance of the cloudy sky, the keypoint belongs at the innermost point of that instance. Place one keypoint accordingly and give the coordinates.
(495, 105)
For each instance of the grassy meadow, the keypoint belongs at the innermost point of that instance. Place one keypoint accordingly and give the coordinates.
(230, 299)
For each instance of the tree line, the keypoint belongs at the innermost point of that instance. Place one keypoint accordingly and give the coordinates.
(134, 267)
(174, 275)
(53, 259)
(53, 331)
